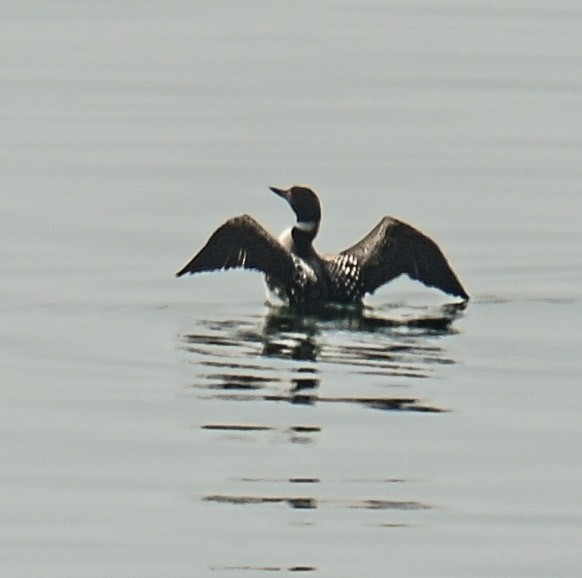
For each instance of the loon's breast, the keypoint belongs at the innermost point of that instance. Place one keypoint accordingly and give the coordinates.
(305, 288)
(318, 279)
(286, 239)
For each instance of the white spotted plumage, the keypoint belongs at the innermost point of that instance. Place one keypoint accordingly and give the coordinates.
(340, 280)
(302, 288)
(345, 275)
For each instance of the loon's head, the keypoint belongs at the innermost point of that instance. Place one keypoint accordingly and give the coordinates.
(305, 204)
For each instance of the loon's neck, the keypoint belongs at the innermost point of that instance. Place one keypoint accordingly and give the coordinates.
(299, 238)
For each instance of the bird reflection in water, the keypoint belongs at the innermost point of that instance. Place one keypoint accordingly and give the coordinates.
(287, 334)
(241, 360)
(285, 357)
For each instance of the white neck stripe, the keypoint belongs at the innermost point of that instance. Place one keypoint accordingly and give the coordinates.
(307, 226)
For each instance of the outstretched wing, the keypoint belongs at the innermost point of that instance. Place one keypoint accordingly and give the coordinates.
(242, 242)
(393, 248)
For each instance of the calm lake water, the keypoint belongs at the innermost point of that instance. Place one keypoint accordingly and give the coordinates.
(160, 427)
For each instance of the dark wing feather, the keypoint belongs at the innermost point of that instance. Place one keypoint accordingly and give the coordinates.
(393, 248)
(242, 242)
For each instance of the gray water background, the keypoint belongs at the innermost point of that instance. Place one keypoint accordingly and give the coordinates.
(160, 427)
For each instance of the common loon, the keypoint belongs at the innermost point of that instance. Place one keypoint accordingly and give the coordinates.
(303, 278)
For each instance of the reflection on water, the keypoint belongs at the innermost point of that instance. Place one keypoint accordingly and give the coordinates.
(312, 503)
(299, 434)
(264, 568)
(239, 360)
(300, 361)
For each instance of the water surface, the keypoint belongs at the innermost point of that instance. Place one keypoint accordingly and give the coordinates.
(160, 427)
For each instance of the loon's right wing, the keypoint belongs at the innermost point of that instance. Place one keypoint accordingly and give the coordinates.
(394, 248)
(242, 242)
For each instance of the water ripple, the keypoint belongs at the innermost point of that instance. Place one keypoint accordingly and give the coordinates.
(284, 357)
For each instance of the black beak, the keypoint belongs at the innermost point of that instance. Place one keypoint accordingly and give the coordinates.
(281, 192)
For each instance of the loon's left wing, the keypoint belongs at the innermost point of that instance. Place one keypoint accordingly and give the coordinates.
(242, 242)
(393, 248)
